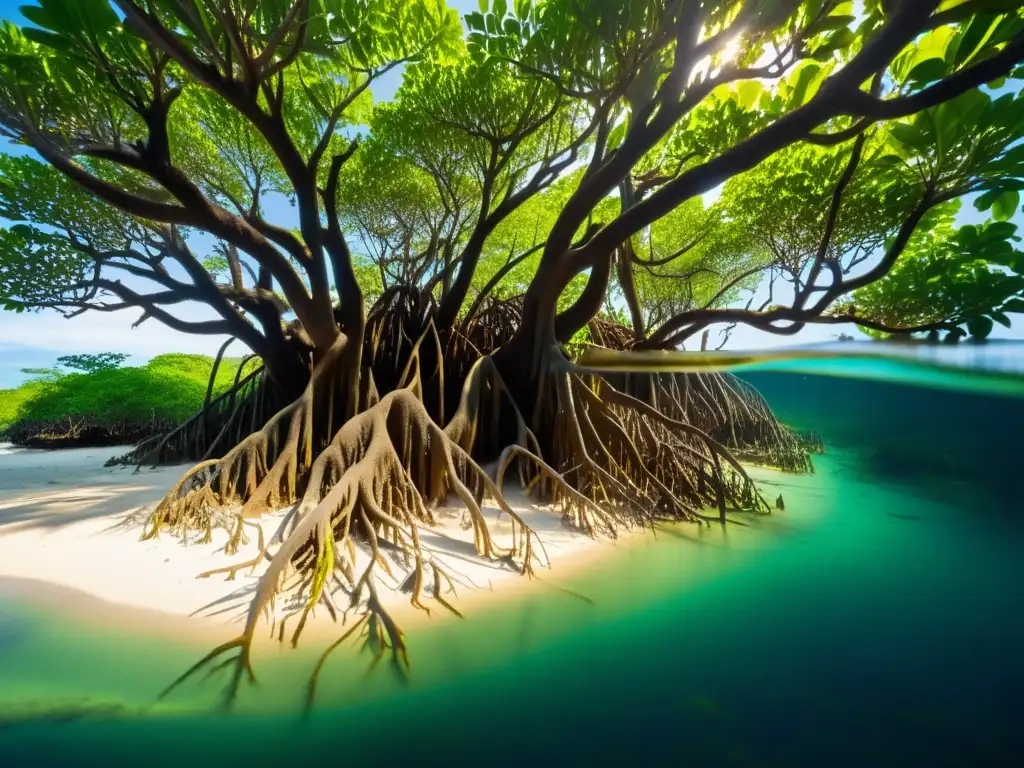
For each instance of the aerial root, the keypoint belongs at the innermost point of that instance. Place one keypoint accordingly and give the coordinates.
(212, 426)
(735, 414)
(370, 490)
(261, 557)
(262, 472)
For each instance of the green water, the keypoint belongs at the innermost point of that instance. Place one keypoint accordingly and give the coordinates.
(879, 620)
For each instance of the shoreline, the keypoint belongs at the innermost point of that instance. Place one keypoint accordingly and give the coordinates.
(77, 587)
(64, 546)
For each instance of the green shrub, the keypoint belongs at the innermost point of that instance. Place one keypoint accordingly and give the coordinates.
(168, 389)
(12, 401)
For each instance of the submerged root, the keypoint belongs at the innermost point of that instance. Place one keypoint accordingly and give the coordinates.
(726, 409)
(750, 428)
(614, 461)
(724, 406)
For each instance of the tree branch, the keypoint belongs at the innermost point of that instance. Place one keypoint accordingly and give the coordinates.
(831, 99)
(830, 222)
(497, 278)
(861, 104)
(150, 302)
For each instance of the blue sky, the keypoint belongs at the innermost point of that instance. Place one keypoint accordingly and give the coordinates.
(36, 339)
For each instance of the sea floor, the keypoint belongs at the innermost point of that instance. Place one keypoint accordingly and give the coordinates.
(870, 623)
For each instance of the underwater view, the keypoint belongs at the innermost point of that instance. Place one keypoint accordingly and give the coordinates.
(876, 620)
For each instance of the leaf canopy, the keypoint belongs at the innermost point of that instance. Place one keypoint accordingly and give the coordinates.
(532, 143)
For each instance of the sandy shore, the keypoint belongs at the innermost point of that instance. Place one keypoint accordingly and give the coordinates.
(67, 534)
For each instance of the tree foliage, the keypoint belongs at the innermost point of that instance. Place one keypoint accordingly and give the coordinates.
(90, 363)
(952, 279)
(159, 103)
(460, 182)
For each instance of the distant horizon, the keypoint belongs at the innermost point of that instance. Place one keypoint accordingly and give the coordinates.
(998, 353)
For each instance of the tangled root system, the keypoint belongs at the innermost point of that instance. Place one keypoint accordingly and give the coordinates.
(373, 487)
(727, 409)
(616, 461)
(360, 475)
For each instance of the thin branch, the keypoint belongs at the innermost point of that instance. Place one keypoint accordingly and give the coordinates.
(652, 262)
(830, 222)
(497, 278)
(150, 302)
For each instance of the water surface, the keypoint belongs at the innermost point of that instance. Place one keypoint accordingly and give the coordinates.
(877, 621)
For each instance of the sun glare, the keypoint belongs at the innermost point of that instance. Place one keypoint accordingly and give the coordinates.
(730, 51)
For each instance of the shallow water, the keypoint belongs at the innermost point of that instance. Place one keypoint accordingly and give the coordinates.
(877, 621)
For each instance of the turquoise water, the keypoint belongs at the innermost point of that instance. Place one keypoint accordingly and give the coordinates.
(877, 621)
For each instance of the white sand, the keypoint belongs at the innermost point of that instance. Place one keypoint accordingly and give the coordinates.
(62, 523)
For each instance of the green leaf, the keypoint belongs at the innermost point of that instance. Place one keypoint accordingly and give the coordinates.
(946, 121)
(49, 39)
(888, 161)
(980, 327)
(936, 43)
(482, 5)
(803, 79)
(748, 93)
(831, 22)
(1014, 305)
(1000, 230)
(1000, 318)
(1004, 206)
(971, 106)
(973, 37)
(43, 18)
(841, 39)
(928, 71)
(910, 135)
(959, 10)
(985, 200)
(616, 135)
